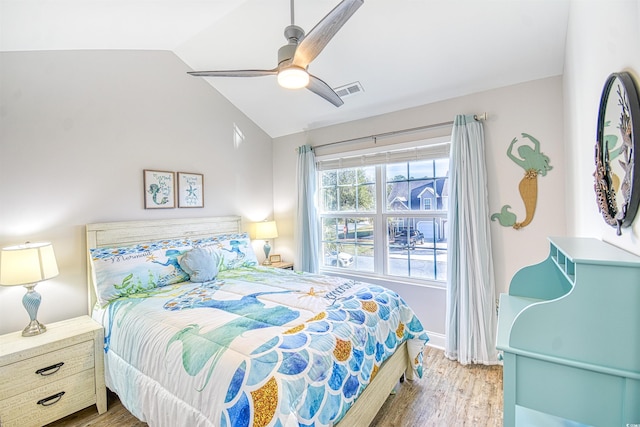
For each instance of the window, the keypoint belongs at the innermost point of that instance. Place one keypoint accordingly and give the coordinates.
(348, 202)
(387, 219)
(426, 203)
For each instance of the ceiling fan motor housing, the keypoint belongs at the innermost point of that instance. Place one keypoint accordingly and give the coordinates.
(285, 53)
(294, 35)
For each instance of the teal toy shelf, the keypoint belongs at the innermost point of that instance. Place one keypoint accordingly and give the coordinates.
(569, 330)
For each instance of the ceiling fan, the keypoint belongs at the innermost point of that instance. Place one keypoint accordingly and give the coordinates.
(294, 57)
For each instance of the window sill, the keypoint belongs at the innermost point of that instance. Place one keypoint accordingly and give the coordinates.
(381, 280)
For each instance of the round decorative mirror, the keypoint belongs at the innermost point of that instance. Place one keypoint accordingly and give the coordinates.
(617, 175)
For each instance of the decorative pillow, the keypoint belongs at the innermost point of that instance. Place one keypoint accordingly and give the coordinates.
(235, 250)
(201, 264)
(137, 269)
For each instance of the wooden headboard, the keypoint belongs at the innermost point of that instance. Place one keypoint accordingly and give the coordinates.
(128, 233)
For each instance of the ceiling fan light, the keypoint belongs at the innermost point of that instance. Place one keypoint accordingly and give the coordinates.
(293, 78)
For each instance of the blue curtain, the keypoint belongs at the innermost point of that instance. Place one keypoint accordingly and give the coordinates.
(307, 226)
(471, 307)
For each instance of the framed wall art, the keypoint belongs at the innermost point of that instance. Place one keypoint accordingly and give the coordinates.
(617, 175)
(190, 190)
(159, 189)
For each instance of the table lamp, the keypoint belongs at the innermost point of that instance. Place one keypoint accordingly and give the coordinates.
(266, 230)
(27, 265)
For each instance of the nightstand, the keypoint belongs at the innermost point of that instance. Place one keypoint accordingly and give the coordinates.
(283, 265)
(52, 375)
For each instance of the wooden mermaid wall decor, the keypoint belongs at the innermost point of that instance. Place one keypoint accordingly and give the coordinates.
(534, 162)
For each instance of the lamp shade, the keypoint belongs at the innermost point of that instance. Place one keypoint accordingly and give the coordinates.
(266, 230)
(28, 263)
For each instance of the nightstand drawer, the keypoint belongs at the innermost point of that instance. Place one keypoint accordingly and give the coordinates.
(67, 358)
(38, 371)
(49, 402)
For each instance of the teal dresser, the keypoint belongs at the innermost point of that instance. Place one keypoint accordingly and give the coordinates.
(569, 331)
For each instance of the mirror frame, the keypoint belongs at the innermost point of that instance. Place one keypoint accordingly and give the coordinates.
(618, 210)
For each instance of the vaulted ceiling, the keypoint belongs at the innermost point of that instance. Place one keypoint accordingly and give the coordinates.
(404, 53)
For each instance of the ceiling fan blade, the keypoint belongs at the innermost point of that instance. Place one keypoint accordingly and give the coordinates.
(319, 87)
(234, 73)
(323, 32)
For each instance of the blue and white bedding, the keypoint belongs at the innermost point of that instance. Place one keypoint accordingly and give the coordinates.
(255, 347)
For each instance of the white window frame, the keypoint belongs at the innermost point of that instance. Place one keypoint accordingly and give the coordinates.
(426, 204)
(432, 148)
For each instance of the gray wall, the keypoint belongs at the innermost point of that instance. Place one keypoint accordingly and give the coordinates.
(78, 127)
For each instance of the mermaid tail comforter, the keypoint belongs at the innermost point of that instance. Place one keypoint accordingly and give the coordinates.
(255, 347)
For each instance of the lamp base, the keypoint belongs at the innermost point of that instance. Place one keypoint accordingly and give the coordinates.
(31, 302)
(34, 328)
(267, 249)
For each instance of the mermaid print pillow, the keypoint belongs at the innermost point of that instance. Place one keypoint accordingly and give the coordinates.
(234, 250)
(136, 270)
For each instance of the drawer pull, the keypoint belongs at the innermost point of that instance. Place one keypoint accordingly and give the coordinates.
(47, 401)
(45, 371)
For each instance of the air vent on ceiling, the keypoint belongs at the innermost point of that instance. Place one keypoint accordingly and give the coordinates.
(349, 90)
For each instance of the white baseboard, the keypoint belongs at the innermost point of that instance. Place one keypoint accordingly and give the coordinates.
(436, 340)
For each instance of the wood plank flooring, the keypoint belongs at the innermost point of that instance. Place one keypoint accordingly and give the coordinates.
(448, 394)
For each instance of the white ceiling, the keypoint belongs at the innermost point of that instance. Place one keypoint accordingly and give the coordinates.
(405, 53)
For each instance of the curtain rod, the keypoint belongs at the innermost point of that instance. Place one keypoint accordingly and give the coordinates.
(477, 117)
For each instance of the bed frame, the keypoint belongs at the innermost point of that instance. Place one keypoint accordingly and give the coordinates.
(127, 233)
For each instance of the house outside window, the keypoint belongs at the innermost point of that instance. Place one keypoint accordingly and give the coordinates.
(388, 218)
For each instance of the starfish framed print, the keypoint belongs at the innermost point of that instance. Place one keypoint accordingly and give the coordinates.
(190, 190)
(159, 190)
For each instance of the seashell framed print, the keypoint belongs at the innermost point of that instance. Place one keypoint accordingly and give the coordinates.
(159, 189)
(190, 190)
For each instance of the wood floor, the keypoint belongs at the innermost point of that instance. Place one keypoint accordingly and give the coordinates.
(448, 394)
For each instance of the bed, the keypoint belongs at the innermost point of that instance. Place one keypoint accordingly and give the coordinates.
(252, 346)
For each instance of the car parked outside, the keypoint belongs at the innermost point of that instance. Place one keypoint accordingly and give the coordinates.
(338, 259)
(410, 238)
